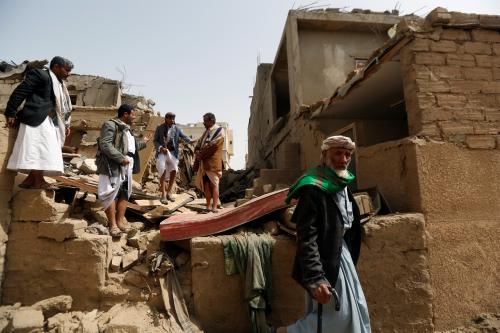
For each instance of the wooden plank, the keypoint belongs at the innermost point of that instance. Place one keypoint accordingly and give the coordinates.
(148, 203)
(165, 210)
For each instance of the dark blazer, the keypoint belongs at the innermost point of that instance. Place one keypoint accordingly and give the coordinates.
(37, 90)
(319, 238)
(177, 134)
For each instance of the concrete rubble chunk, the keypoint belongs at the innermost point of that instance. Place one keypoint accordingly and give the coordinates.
(27, 320)
(37, 205)
(76, 162)
(62, 230)
(88, 166)
(89, 323)
(115, 264)
(130, 258)
(52, 306)
(135, 279)
(66, 322)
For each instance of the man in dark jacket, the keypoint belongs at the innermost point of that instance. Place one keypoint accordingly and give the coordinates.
(328, 243)
(116, 160)
(166, 140)
(44, 122)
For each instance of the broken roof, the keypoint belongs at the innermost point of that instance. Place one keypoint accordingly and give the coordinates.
(11, 70)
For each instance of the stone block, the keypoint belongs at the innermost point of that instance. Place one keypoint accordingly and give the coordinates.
(419, 44)
(54, 305)
(115, 264)
(433, 86)
(480, 141)
(466, 87)
(487, 60)
(451, 100)
(462, 60)
(249, 193)
(426, 100)
(88, 166)
(483, 35)
(37, 205)
(27, 320)
(496, 73)
(485, 128)
(455, 34)
(130, 259)
(455, 127)
(478, 73)
(491, 87)
(447, 72)
(492, 114)
(154, 242)
(468, 114)
(477, 48)
(429, 58)
(445, 46)
(267, 188)
(496, 48)
(60, 231)
(464, 19)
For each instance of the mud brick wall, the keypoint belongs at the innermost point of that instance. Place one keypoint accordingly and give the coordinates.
(452, 86)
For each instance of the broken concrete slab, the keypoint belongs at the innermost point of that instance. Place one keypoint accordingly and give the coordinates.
(130, 258)
(37, 205)
(88, 166)
(60, 231)
(52, 306)
(27, 320)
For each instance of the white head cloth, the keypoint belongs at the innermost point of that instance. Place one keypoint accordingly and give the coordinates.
(338, 141)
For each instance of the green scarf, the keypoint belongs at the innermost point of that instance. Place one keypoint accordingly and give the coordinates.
(323, 177)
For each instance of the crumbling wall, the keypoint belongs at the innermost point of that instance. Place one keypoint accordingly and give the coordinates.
(89, 90)
(452, 90)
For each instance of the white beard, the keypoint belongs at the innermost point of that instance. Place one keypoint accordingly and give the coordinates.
(340, 172)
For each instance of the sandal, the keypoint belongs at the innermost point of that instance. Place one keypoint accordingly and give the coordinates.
(164, 201)
(214, 210)
(115, 232)
(125, 229)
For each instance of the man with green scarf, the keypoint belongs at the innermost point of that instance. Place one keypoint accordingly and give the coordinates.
(328, 244)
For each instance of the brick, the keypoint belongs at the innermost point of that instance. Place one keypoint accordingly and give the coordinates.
(485, 128)
(426, 100)
(477, 48)
(496, 48)
(468, 114)
(465, 87)
(480, 101)
(478, 73)
(63, 230)
(491, 87)
(430, 129)
(432, 86)
(452, 127)
(487, 61)
(443, 46)
(480, 141)
(485, 35)
(463, 60)
(446, 72)
(116, 262)
(492, 114)
(429, 58)
(419, 44)
(451, 100)
(436, 114)
(421, 72)
(455, 34)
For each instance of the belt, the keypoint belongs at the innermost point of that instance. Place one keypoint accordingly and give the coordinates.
(130, 154)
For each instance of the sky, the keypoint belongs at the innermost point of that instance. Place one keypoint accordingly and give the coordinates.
(190, 57)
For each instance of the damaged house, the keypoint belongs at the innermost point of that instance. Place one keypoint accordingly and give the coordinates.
(422, 100)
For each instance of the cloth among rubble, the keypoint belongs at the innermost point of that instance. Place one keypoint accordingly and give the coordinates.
(171, 291)
(250, 255)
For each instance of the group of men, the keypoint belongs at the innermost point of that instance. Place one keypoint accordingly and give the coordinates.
(326, 215)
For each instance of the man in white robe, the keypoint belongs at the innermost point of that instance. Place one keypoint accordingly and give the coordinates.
(43, 122)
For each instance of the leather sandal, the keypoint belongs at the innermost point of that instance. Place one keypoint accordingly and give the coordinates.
(115, 232)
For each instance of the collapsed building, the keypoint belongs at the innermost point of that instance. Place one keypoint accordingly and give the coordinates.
(422, 100)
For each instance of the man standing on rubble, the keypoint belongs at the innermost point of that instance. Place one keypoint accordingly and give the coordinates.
(44, 123)
(208, 152)
(117, 158)
(328, 245)
(166, 141)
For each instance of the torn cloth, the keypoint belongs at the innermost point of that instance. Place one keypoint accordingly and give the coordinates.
(250, 255)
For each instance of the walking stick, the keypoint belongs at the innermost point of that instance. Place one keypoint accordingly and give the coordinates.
(320, 317)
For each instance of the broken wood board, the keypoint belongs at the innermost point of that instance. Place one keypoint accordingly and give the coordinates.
(185, 226)
(163, 211)
(148, 203)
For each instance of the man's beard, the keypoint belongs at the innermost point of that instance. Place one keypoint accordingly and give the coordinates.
(343, 173)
